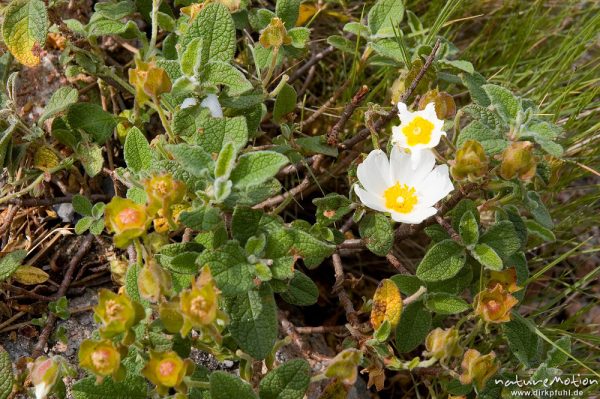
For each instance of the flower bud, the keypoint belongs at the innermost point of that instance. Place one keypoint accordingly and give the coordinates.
(125, 218)
(100, 357)
(345, 366)
(506, 278)
(117, 313)
(470, 162)
(153, 282)
(493, 305)
(163, 191)
(198, 304)
(166, 370)
(275, 34)
(518, 161)
(43, 375)
(442, 344)
(118, 270)
(149, 80)
(192, 10)
(477, 368)
(445, 107)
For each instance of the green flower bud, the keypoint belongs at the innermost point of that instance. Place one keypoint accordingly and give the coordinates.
(345, 366)
(518, 161)
(198, 305)
(101, 358)
(127, 219)
(153, 282)
(445, 107)
(275, 34)
(163, 191)
(477, 368)
(166, 370)
(443, 344)
(117, 313)
(44, 373)
(470, 163)
(118, 270)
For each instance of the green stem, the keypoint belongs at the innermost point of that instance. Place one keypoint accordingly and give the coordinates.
(64, 164)
(154, 16)
(267, 78)
(163, 119)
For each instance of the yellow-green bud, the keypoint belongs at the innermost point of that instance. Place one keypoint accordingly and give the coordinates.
(149, 80)
(153, 282)
(198, 305)
(117, 313)
(443, 344)
(445, 107)
(345, 366)
(470, 162)
(44, 373)
(126, 219)
(163, 191)
(102, 358)
(166, 370)
(518, 161)
(275, 34)
(477, 368)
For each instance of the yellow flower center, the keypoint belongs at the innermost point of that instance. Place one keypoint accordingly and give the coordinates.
(166, 368)
(129, 216)
(101, 358)
(418, 131)
(198, 306)
(113, 309)
(400, 198)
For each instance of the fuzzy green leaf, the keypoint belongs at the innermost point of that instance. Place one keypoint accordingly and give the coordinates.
(312, 250)
(538, 210)
(218, 131)
(230, 268)
(192, 158)
(502, 238)
(226, 386)
(376, 230)
(60, 100)
(83, 224)
(92, 119)
(442, 262)
(443, 303)
(137, 151)
(201, 219)
(540, 231)
(284, 103)
(492, 141)
(485, 255)
(6, 374)
(469, 229)
(504, 101)
(288, 381)
(522, 340)
(215, 27)
(222, 73)
(555, 357)
(413, 327)
(90, 156)
(133, 387)
(254, 320)
(384, 16)
(301, 290)
(82, 205)
(288, 11)
(256, 167)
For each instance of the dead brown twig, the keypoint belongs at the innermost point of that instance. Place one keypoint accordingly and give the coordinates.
(359, 96)
(62, 290)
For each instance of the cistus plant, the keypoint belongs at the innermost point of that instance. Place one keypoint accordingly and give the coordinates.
(230, 200)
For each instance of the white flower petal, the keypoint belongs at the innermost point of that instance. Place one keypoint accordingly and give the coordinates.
(405, 115)
(398, 138)
(420, 168)
(400, 165)
(188, 103)
(435, 186)
(416, 216)
(212, 103)
(41, 391)
(373, 172)
(370, 200)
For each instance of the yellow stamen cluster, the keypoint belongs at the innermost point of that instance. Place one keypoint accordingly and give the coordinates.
(400, 198)
(418, 131)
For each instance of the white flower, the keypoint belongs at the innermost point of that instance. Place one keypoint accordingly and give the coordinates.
(211, 102)
(42, 390)
(406, 189)
(418, 130)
